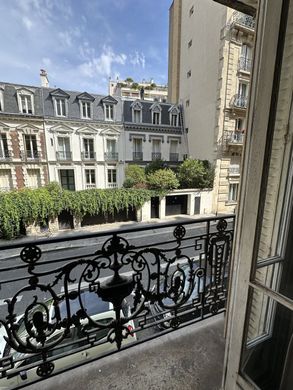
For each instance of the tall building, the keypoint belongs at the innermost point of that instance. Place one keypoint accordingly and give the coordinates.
(211, 56)
(146, 90)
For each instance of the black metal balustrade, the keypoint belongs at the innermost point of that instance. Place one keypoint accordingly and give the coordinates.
(244, 64)
(63, 155)
(137, 156)
(88, 155)
(156, 156)
(174, 156)
(111, 156)
(5, 155)
(27, 155)
(239, 101)
(243, 20)
(174, 276)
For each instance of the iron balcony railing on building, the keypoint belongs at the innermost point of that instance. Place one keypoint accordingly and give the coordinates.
(242, 20)
(234, 170)
(64, 155)
(30, 155)
(174, 157)
(111, 156)
(83, 296)
(137, 156)
(88, 156)
(244, 64)
(156, 156)
(239, 101)
(5, 155)
(234, 137)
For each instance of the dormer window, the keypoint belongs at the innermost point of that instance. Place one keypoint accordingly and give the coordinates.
(156, 113)
(136, 112)
(85, 104)
(109, 112)
(25, 99)
(60, 102)
(174, 116)
(86, 111)
(1, 99)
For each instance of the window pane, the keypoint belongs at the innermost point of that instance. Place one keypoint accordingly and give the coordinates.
(268, 351)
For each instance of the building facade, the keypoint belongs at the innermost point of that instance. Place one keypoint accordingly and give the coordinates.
(23, 160)
(143, 90)
(213, 73)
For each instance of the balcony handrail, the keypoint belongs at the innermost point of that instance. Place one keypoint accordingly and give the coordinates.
(63, 155)
(242, 20)
(239, 101)
(244, 64)
(85, 155)
(137, 155)
(156, 274)
(30, 154)
(174, 156)
(235, 137)
(6, 155)
(156, 155)
(111, 156)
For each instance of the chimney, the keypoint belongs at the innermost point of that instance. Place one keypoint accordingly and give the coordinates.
(44, 78)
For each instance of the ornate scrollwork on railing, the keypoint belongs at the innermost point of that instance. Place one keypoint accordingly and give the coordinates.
(158, 283)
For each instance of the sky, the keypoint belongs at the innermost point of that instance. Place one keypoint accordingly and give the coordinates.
(81, 43)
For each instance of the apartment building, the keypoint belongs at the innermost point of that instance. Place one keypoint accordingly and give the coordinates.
(23, 161)
(147, 90)
(153, 131)
(210, 77)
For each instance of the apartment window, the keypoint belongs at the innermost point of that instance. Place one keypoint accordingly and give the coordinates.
(187, 103)
(112, 177)
(156, 118)
(88, 148)
(64, 152)
(26, 104)
(86, 112)
(111, 149)
(136, 116)
(191, 11)
(1, 99)
(239, 124)
(189, 74)
(174, 156)
(30, 142)
(33, 178)
(60, 107)
(243, 90)
(5, 180)
(156, 149)
(109, 112)
(3, 146)
(190, 43)
(233, 192)
(137, 149)
(90, 178)
(67, 179)
(174, 120)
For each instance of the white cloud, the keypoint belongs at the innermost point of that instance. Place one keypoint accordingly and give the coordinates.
(46, 61)
(27, 22)
(137, 59)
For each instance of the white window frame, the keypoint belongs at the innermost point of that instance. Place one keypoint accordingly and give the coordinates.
(56, 99)
(233, 199)
(31, 149)
(1, 99)
(112, 183)
(88, 109)
(90, 184)
(86, 147)
(2, 145)
(108, 108)
(25, 93)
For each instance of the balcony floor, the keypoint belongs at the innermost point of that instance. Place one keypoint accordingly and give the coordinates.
(189, 358)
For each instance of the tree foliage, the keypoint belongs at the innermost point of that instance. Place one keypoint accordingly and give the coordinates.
(163, 179)
(154, 166)
(195, 174)
(134, 177)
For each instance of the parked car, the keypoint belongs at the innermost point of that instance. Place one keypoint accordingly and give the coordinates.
(97, 309)
(188, 311)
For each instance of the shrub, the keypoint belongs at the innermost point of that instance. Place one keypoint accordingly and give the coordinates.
(195, 174)
(154, 166)
(163, 179)
(134, 177)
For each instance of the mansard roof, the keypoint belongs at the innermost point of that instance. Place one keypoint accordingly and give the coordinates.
(85, 96)
(109, 99)
(59, 93)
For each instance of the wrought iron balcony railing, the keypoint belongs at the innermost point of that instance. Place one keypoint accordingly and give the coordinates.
(27, 155)
(88, 156)
(64, 155)
(244, 64)
(89, 295)
(174, 156)
(242, 20)
(137, 156)
(111, 156)
(239, 101)
(234, 170)
(234, 137)
(156, 156)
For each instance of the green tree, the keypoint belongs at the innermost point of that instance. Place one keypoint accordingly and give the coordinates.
(194, 173)
(154, 166)
(162, 179)
(134, 177)
(129, 80)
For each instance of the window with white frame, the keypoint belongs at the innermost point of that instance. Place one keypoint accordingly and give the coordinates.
(5, 180)
(88, 148)
(26, 104)
(33, 178)
(1, 99)
(174, 150)
(136, 116)
(156, 118)
(137, 149)
(112, 177)
(64, 152)
(3, 146)
(90, 178)
(86, 109)
(233, 192)
(111, 152)
(30, 143)
(60, 107)
(109, 112)
(174, 119)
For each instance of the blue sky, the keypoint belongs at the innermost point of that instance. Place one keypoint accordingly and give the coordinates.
(82, 42)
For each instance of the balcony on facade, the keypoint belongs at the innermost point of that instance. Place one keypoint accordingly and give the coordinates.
(137, 156)
(111, 156)
(64, 155)
(242, 21)
(156, 156)
(239, 102)
(244, 64)
(88, 156)
(5, 155)
(234, 137)
(158, 283)
(234, 170)
(30, 155)
(174, 157)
